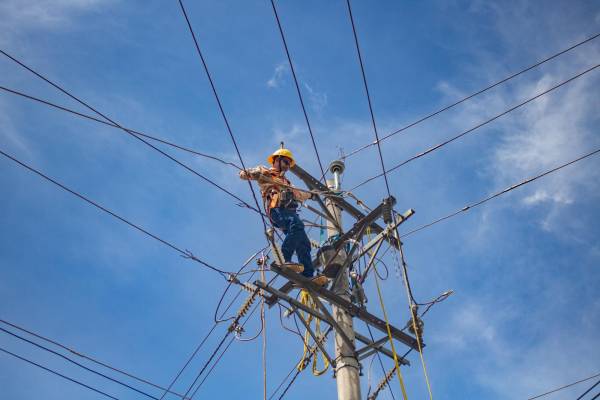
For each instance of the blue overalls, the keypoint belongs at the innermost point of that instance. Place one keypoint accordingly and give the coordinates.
(296, 240)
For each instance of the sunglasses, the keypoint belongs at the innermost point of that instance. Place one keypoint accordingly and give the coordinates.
(284, 160)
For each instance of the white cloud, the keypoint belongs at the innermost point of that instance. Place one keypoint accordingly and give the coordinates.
(543, 134)
(278, 75)
(318, 100)
(8, 132)
(19, 16)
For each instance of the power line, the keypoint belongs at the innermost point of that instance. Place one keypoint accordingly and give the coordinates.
(189, 360)
(500, 193)
(589, 390)
(218, 100)
(218, 359)
(184, 253)
(59, 374)
(216, 322)
(79, 354)
(193, 171)
(452, 139)
(91, 118)
(497, 83)
(289, 57)
(78, 364)
(364, 78)
(401, 261)
(564, 387)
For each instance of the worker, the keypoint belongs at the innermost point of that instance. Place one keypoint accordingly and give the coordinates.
(281, 201)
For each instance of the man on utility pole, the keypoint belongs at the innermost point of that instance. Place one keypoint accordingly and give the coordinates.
(281, 201)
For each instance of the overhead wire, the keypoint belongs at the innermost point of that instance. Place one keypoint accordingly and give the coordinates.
(220, 106)
(289, 57)
(93, 371)
(132, 134)
(237, 150)
(98, 120)
(219, 358)
(312, 353)
(366, 86)
(217, 320)
(405, 272)
(589, 390)
(500, 193)
(86, 357)
(481, 91)
(184, 253)
(487, 121)
(58, 374)
(564, 387)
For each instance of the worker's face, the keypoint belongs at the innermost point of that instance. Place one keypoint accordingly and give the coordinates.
(282, 164)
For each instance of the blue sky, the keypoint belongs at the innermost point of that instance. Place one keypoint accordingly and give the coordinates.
(525, 315)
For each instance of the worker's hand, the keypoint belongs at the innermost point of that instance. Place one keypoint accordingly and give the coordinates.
(314, 196)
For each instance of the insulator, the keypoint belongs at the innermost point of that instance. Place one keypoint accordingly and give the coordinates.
(387, 211)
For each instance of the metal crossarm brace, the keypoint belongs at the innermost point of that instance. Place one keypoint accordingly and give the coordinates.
(331, 320)
(323, 315)
(377, 346)
(316, 339)
(314, 184)
(357, 230)
(372, 347)
(351, 308)
(362, 224)
(388, 231)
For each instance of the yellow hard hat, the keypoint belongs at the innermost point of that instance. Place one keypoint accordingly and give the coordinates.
(282, 153)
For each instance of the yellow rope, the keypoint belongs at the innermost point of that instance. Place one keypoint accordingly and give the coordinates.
(306, 299)
(389, 332)
(412, 314)
(387, 324)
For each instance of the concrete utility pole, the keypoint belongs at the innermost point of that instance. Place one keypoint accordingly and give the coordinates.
(347, 369)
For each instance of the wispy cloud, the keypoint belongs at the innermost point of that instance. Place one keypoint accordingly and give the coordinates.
(278, 75)
(543, 134)
(318, 100)
(19, 16)
(9, 134)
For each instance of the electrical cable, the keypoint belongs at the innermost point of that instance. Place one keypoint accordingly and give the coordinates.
(218, 359)
(84, 356)
(452, 139)
(77, 364)
(91, 118)
(378, 356)
(589, 390)
(189, 360)
(289, 57)
(193, 171)
(497, 83)
(500, 193)
(298, 371)
(218, 100)
(364, 78)
(58, 374)
(186, 254)
(218, 320)
(564, 387)
(384, 174)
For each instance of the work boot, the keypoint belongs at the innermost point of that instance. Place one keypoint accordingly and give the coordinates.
(320, 280)
(291, 266)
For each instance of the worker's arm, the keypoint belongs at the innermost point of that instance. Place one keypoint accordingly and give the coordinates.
(302, 195)
(251, 173)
